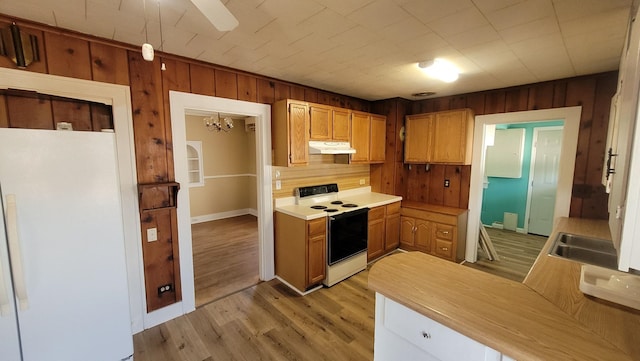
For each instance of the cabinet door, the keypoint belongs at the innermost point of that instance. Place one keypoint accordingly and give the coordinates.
(298, 134)
(407, 231)
(423, 235)
(360, 130)
(392, 231)
(450, 137)
(316, 251)
(377, 141)
(321, 123)
(418, 138)
(341, 125)
(375, 247)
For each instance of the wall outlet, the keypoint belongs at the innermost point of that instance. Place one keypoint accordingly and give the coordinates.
(362, 182)
(278, 184)
(152, 234)
(446, 183)
(165, 288)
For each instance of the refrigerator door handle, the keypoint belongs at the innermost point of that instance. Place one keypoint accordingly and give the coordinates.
(16, 253)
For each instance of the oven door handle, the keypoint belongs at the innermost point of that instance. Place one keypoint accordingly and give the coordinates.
(349, 214)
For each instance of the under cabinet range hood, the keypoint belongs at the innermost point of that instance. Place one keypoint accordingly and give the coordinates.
(320, 147)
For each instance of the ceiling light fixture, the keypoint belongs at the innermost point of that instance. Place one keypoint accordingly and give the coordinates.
(214, 123)
(439, 69)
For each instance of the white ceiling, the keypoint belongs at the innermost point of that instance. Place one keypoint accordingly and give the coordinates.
(367, 48)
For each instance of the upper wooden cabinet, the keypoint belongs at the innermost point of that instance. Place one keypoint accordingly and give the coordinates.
(368, 137)
(290, 126)
(441, 137)
(328, 123)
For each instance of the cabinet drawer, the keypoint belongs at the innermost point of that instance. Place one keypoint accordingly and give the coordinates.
(444, 231)
(444, 248)
(376, 213)
(316, 226)
(393, 208)
(430, 336)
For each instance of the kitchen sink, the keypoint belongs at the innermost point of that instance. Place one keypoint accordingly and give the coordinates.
(595, 251)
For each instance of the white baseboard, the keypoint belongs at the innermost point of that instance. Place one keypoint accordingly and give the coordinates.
(223, 215)
(498, 225)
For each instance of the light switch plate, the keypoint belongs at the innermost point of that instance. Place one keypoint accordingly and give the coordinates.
(152, 234)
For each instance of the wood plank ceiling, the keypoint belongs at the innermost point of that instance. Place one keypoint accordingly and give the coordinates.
(367, 48)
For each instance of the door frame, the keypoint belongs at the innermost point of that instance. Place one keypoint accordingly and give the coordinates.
(183, 103)
(483, 124)
(536, 131)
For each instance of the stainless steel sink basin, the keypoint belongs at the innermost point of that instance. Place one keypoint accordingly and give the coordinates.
(595, 251)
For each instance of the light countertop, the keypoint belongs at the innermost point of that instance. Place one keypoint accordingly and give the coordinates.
(363, 197)
(544, 318)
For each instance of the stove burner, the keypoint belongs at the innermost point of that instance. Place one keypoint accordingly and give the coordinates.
(336, 202)
(349, 205)
(331, 210)
(318, 207)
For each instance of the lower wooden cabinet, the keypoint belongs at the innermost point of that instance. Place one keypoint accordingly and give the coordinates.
(384, 230)
(300, 250)
(440, 231)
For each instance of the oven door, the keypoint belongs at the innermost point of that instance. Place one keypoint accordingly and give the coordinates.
(348, 234)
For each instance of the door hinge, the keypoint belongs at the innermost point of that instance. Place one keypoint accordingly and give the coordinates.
(619, 212)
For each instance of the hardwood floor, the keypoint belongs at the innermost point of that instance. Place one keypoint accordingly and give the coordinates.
(270, 322)
(225, 257)
(517, 252)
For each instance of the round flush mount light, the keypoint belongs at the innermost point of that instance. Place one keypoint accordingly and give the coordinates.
(423, 94)
(439, 69)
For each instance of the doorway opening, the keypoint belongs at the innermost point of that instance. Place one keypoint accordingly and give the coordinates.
(182, 106)
(221, 157)
(484, 124)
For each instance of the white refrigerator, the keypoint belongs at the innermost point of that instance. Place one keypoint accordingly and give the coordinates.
(63, 279)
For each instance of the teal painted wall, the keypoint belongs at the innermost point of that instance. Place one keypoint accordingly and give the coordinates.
(510, 194)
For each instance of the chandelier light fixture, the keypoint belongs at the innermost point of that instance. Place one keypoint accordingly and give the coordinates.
(213, 123)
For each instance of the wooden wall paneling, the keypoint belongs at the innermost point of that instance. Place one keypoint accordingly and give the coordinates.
(476, 103)
(4, 112)
(76, 113)
(310, 95)
(443, 103)
(458, 102)
(158, 259)
(67, 56)
(540, 96)
(581, 92)
(451, 194)
(226, 84)
(494, 102)
(559, 94)
(266, 91)
(592, 205)
(202, 80)
(101, 117)
(417, 186)
(517, 99)
(109, 64)
(402, 176)
(247, 88)
(175, 77)
(375, 174)
(148, 119)
(297, 92)
(465, 183)
(34, 113)
(39, 66)
(281, 91)
(436, 184)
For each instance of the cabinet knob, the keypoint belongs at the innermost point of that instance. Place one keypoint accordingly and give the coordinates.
(426, 335)
(445, 232)
(445, 248)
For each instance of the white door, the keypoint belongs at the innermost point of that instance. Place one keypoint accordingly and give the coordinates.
(543, 179)
(9, 341)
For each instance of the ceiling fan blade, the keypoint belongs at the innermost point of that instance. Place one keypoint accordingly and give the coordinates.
(217, 13)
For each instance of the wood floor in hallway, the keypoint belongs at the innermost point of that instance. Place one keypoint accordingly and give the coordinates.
(225, 257)
(516, 251)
